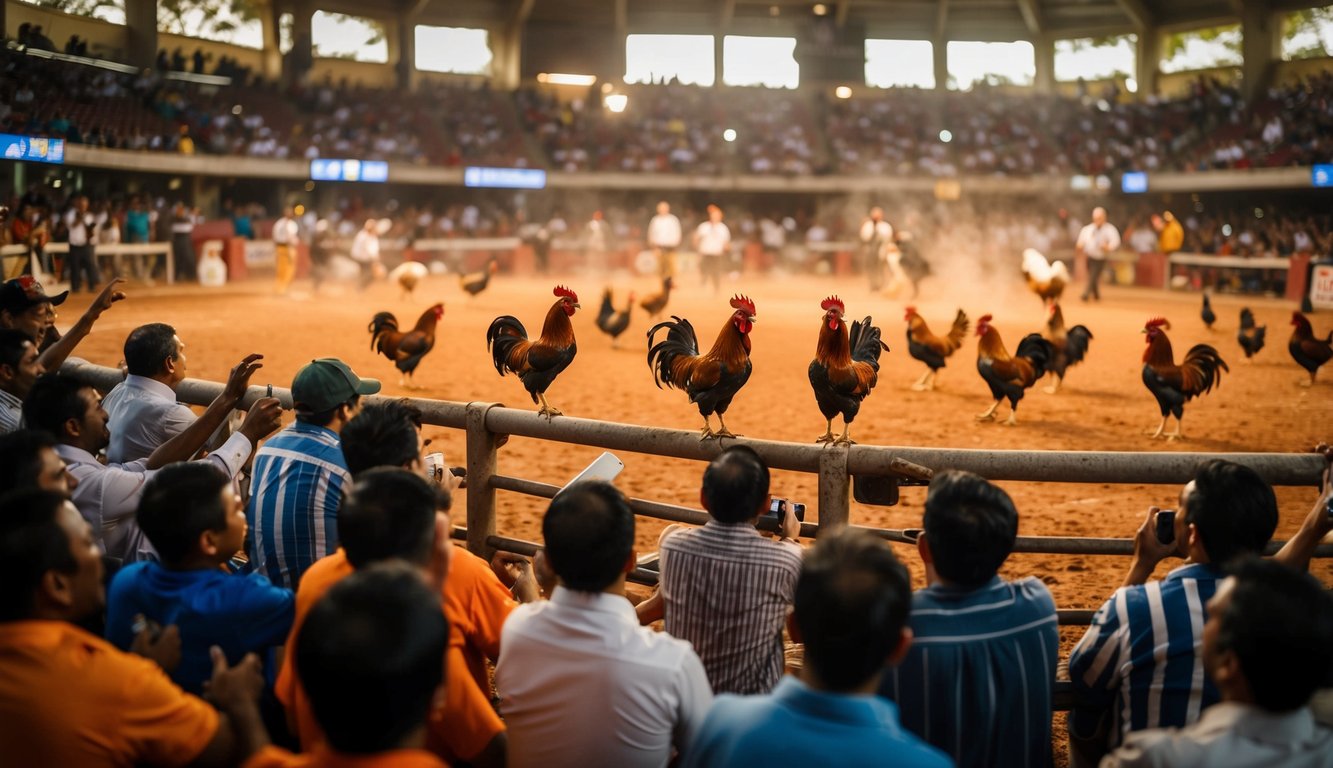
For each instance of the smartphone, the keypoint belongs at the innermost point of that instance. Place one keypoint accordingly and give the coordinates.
(1166, 525)
(434, 464)
(775, 509)
(605, 467)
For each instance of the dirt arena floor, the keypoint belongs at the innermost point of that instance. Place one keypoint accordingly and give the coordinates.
(1104, 405)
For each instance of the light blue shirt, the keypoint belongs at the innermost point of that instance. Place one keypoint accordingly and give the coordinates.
(142, 414)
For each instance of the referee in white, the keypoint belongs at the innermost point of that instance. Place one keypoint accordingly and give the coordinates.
(1096, 241)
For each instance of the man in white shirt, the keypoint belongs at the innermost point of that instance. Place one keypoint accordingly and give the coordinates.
(81, 224)
(142, 409)
(580, 682)
(108, 495)
(876, 234)
(664, 236)
(712, 239)
(366, 251)
(1096, 241)
(286, 235)
(19, 369)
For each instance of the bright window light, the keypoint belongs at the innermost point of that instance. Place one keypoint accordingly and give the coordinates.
(900, 64)
(563, 78)
(221, 24)
(1086, 58)
(1203, 49)
(453, 49)
(766, 61)
(339, 36)
(994, 63)
(1307, 34)
(112, 11)
(688, 59)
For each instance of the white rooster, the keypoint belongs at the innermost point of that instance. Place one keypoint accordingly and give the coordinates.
(1047, 280)
(407, 275)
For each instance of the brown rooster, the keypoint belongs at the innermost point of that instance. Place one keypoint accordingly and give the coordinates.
(1009, 377)
(1071, 345)
(1047, 280)
(536, 363)
(476, 282)
(1308, 352)
(713, 379)
(931, 349)
(845, 368)
(1174, 385)
(655, 303)
(611, 322)
(405, 349)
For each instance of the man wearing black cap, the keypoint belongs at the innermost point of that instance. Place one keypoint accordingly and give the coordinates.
(25, 306)
(300, 474)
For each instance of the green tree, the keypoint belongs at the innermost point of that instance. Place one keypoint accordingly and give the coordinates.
(375, 35)
(1312, 22)
(215, 18)
(82, 7)
(1228, 35)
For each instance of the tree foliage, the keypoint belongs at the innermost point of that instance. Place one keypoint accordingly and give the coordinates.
(206, 18)
(375, 35)
(83, 7)
(1312, 22)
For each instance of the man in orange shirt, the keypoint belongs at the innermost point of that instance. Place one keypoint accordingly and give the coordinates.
(67, 697)
(373, 654)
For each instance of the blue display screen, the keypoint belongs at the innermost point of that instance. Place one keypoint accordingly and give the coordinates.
(32, 148)
(322, 169)
(1134, 182)
(504, 178)
(1322, 176)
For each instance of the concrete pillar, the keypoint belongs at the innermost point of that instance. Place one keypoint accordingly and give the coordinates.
(270, 20)
(301, 57)
(1043, 50)
(1147, 61)
(719, 62)
(405, 55)
(507, 56)
(141, 32)
(1262, 38)
(939, 47)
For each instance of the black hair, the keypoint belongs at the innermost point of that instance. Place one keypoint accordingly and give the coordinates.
(370, 656)
(181, 502)
(970, 525)
(1233, 508)
(148, 347)
(383, 434)
(1279, 623)
(852, 601)
(589, 535)
(735, 485)
(31, 544)
(389, 513)
(20, 458)
(324, 418)
(53, 400)
(12, 344)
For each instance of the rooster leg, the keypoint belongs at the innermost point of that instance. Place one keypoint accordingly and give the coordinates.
(722, 429)
(930, 382)
(1178, 434)
(989, 415)
(1056, 381)
(1012, 421)
(1160, 429)
(546, 409)
(919, 386)
(707, 431)
(1309, 383)
(827, 437)
(846, 438)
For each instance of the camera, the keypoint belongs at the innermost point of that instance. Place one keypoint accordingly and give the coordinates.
(1166, 525)
(776, 509)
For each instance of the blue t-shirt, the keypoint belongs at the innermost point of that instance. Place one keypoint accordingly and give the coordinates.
(796, 725)
(241, 614)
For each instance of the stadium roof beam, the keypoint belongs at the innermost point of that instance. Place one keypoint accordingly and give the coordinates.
(941, 20)
(1031, 15)
(1138, 13)
(840, 15)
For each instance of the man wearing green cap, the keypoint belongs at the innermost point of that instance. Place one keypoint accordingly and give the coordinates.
(300, 474)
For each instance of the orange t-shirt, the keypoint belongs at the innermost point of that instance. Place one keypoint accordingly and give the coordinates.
(274, 757)
(69, 698)
(476, 607)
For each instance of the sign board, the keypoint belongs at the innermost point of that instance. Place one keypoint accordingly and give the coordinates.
(1322, 176)
(260, 253)
(504, 178)
(1134, 182)
(32, 148)
(1321, 286)
(323, 169)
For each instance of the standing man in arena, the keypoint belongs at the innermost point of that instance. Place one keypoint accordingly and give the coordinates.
(286, 236)
(1096, 241)
(664, 238)
(712, 239)
(81, 226)
(366, 252)
(182, 240)
(876, 234)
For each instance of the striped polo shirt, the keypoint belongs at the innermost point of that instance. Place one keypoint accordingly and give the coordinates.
(1142, 656)
(299, 479)
(977, 680)
(727, 590)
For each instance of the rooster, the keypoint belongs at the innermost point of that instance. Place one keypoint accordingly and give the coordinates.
(1009, 377)
(1207, 314)
(405, 349)
(657, 302)
(931, 349)
(536, 363)
(713, 379)
(1251, 338)
(476, 282)
(1047, 280)
(1308, 352)
(1070, 346)
(611, 322)
(845, 367)
(1174, 385)
(407, 275)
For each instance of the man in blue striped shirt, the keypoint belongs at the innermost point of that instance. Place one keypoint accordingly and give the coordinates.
(300, 474)
(977, 681)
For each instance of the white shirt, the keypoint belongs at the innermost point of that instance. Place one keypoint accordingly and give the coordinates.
(1098, 241)
(108, 495)
(285, 231)
(664, 231)
(581, 683)
(1231, 735)
(872, 230)
(143, 415)
(713, 239)
(82, 227)
(11, 413)
(366, 246)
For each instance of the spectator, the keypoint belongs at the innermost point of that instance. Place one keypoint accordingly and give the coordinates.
(1170, 235)
(852, 605)
(724, 588)
(196, 522)
(639, 693)
(365, 252)
(664, 236)
(299, 475)
(108, 494)
(28, 460)
(1268, 637)
(25, 306)
(142, 412)
(875, 235)
(380, 634)
(183, 221)
(19, 369)
(69, 698)
(81, 226)
(286, 236)
(996, 640)
(712, 239)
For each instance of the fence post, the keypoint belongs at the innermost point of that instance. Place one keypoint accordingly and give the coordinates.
(834, 486)
(481, 463)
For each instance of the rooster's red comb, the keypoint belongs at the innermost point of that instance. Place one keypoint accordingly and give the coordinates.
(910, 310)
(743, 302)
(1158, 322)
(833, 302)
(566, 293)
(984, 319)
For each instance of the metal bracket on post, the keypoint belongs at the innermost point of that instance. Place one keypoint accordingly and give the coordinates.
(835, 508)
(482, 452)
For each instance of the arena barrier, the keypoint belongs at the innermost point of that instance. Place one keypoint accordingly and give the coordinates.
(120, 249)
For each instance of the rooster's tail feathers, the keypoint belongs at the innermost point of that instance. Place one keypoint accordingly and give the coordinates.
(1037, 351)
(866, 343)
(959, 330)
(381, 323)
(669, 358)
(1202, 369)
(504, 333)
(1076, 343)
(607, 309)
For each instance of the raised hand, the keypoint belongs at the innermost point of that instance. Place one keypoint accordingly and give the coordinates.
(239, 380)
(264, 418)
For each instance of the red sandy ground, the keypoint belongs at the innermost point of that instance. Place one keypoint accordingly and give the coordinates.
(1104, 406)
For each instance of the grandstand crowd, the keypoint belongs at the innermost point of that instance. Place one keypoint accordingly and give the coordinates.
(181, 594)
